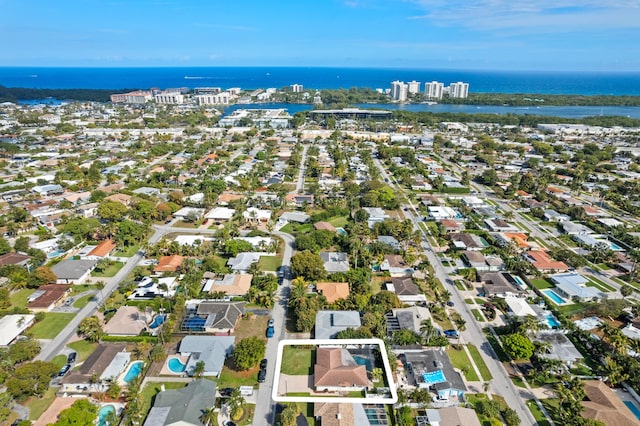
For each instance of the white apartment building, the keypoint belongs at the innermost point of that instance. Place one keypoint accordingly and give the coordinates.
(459, 90)
(399, 91)
(222, 98)
(413, 87)
(296, 88)
(434, 90)
(174, 98)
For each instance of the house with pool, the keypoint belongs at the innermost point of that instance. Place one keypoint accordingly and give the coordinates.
(108, 362)
(182, 406)
(573, 285)
(128, 321)
(432, 370)
(211, 350)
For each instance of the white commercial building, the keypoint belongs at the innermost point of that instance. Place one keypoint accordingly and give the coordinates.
(459, 90)
(399, 91)
(222, 98)
(413, 87)
(173, 98)
(434, 90)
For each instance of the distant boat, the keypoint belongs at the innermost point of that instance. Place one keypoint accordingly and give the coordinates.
(34, 76)
(268, 73)
(187, 77)
(430, 103)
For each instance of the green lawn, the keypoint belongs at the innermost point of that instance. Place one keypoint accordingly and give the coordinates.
(502, 356)
(338, 222)
(37, 406)
(270, 263)
(50, 326)
(518, 382)
(19, 298)
(482, 367)
(469, 301)
(83, 348)
(297, 228)
(59, 360)
(81, 288)
(297, 362)
(477, 315)
(572, 309)
(541, 283)
(127, 251)
(460, 360)
(82, 302)
(600, 283)
(537, 413)
(149, 392)
(111, 271)
(230, 378)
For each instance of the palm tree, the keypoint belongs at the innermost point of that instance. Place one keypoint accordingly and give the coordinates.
(198, 371)
(427, 329)
(208, 416)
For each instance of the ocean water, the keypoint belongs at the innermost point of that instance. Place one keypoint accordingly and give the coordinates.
(318, 78)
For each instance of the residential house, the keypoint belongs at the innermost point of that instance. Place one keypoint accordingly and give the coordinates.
(12, 326)
(242, 262)
(300, 200)
(88, 210)
(376, 214)
(561, 348)
(226, 197)
(333, 291)
(397, 267)
(572, 285)
(335, 414)
(410, 318)
(184, 406)
(553, 216)
(543, 262)
(128, 321)
(390, 241)
(336, 370)
(334, 261)
(432, 370)
(297, 217)
(106, 362)
(499, 225)
(71, 271)
(229, 284)
(169, 263)
(603, 405)
(219, 214)
(149, 288)
(330, 323)
(15, 258)
(212, 350)
(189, 214)
(212, 316)
(439, 213)
(446, 416)
(256, 217)
(482, 263)
(46, 297)
(472, 242)
(406, 290)
(147, 190)
(572, 228)
(518, 307)
(100, 251)
(500, 284)
(120, 198)
(450, 225)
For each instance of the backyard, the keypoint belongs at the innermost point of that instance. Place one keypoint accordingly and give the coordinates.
(297, 361)
(460, 360)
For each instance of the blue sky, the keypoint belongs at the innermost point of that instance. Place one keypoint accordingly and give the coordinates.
(592, 35)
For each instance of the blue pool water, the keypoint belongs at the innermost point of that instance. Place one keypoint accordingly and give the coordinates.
(134, 371)
(176, 366)
(103, 413)
(157, 321)
(518, 281)
(360, 360)
(554, 296)
(434, 377)
(633, 409)
(341, 231)
(614, 246)
(55, 254)
(552, 321)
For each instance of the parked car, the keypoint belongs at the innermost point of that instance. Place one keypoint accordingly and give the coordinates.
(71, 358)
(263, 364)
(262, 376)
(451, 333)
(271, 331)
(450, 303)
(226, 392)
(64, 370)
(270, 323)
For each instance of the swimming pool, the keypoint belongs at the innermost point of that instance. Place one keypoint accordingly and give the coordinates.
(341, 231)
(631, 406)
(360, 360)
(614, 246)
(554, 297)
(103, 413)
(519, 281)
(134, 371)
(176, 366)
(434, 377)
(157, 321)
(552, 321)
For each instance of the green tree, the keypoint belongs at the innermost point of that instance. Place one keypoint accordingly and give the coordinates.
(308, 265)
(209, 416)
(510, 417)
(81, 413)
(289, 415)
(248, 352)
(114, 390)
(5, 247)
(5, 302)
(91, 329)
(199, 369)
(30, 379)
(21, 244)
(112, 211)
(518, 346)
(23, 350)
(233, 247)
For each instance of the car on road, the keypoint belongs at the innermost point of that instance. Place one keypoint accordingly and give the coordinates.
(451, 333)
(262, 376)
(263, 364)
(71, 358)
(65, 368)
(69, 301)
(270, 331)
(270, 323)
(450, 303)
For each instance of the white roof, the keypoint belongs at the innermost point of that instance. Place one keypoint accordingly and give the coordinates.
(519, 307)
(254, 213)
(189, 240)
(11, 326)
(220, 213)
